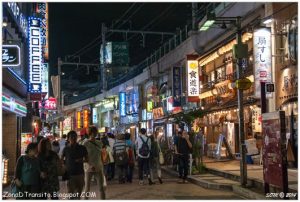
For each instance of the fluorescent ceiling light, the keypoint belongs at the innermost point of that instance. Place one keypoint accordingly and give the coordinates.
(207, 25)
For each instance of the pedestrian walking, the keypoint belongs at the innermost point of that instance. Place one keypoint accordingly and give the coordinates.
(49, 165)
(131, 159)
(198, 149)
(111, 165)
(143, 145)
(28, 173)
(183, 149)
(62, 143)
(154, 157)
(74, 155)
(105, 158)
(55, 146)
(94, 166)
(121, 157)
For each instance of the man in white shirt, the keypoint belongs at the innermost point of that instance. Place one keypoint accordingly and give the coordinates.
(143, 145)
(62, 144)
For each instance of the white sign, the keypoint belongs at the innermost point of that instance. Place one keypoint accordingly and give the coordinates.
(35, 56)
(95, 117)
(262, 58)
(45, 74)
(256, 119)
(107, 53)
(193, 78)
(18, 15)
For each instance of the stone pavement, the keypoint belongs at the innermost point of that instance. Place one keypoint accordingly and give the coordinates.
(254, 172)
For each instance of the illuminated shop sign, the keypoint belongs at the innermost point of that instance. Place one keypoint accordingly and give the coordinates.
(193, 80)
(177, 86)
(11, 104)
(78, 117)
(50, 104)
(122, 101)
(11, 55)
(95, 117)
(45, 76)
(35, 56)
(42, 10)
(18, 16)
(158, 113)
(149, 106)
(86, 118)
(262, 58)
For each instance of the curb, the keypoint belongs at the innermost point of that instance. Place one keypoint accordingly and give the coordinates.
(251, 181)
(248, 193)
(203, 183)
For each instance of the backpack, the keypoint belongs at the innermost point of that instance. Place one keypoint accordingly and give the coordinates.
(105, 157)
(144, 151)
(121, 158)
(130, 156)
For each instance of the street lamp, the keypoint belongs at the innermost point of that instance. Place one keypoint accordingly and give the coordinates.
(240, 51)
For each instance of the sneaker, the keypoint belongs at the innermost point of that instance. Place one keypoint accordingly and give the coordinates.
(141, 182)
(150, 182)
(160, 180)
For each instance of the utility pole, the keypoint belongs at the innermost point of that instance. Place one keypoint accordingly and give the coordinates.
(243, 165)
(103, 30)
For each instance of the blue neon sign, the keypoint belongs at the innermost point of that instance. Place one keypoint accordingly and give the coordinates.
(122, 101)
(35, 55)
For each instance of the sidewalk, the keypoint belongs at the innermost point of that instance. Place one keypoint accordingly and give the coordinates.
(231, 169)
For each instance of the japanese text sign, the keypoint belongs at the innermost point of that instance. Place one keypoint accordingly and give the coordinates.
(10, 55)
(262, 57)
(193, 85)
(177, 91)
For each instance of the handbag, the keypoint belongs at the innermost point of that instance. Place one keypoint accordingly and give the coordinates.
(14, 188)
(160, 155)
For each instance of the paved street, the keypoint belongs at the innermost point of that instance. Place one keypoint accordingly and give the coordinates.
(170, 189)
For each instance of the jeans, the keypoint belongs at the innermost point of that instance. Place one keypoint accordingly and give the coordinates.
(143, 167)
(99, 176)
(111, 171)
(183, 165)
(130, 172)
(122, 169)
(75, 185)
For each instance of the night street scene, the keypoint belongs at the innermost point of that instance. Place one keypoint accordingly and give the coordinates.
(149, 100)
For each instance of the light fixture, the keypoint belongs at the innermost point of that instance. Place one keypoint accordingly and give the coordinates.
(207, 22)
(267, 21)
(75, 94)
(63, 73)
(4, 23)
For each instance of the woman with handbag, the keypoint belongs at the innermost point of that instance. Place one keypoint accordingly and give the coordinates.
(28, 174)
(50, 166)
(156, 157)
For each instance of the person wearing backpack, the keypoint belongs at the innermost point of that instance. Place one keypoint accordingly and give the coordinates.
(143, 145)
(121, 157)
(28, 173)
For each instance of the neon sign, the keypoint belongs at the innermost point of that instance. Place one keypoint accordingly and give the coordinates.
(122, 104)
(35, 55)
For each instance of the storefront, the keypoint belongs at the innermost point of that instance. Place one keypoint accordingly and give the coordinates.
(286, 68)
(218, 98)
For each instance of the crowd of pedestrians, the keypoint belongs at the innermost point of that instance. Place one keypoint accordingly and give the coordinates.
(92, 158)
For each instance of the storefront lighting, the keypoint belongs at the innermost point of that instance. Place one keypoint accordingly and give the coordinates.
(5, 171)
(267, 21)
(202, 108)
(201, 86)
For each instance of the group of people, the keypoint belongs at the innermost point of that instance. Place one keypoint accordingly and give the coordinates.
(79, 162)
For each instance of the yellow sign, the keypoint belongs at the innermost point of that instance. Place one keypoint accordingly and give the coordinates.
(78, 120)
(85, 118)
(243, 84)
(149, 106)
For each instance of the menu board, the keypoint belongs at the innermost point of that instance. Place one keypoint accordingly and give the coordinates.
(274, 149)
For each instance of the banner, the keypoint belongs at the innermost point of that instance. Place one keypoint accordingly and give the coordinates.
(177, 86)
(193, 85)
(262, 58)
(45, 82)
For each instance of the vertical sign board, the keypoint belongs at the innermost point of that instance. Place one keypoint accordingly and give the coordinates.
(35, 56)
(193, 85)
(177, 88)
(45, 76)
(122, 101)
(42, 10)
(274, 150)
(95, 117)
(85, 118)
(262, 58)
(78, 117)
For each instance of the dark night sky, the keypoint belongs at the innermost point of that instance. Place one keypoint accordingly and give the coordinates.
(74, 25)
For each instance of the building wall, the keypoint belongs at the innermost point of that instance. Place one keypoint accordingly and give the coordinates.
(9, 139)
